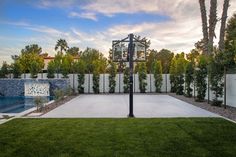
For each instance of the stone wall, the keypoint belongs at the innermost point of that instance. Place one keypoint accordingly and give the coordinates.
(15, 87)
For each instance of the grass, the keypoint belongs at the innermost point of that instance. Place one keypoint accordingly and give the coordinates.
(174, 137)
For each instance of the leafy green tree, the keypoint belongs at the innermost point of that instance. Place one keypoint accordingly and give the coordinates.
(1, 75)
(200, 78)
(66, 65)
(165, 56)
(151, 58)
(51, 69)
(58, 62)
(228, 55)
(96, 76)
(192, 56)
(126, 80)
(16, 69)
(89, 56)
(29, 49)
(61, 45)
(157, 69)
(80, 69)
(180, 66)
(216, 71)
(34, 69)
(189, 78)
(4, 70)
(112, 77)
(28, 55)
(73, 51)
(142, 75)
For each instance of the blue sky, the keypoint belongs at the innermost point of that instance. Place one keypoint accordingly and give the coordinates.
(173, 24)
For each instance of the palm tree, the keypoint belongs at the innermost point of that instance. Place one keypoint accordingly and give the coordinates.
(222, 28)
(62, 45)
(204, 25)
(212, 24)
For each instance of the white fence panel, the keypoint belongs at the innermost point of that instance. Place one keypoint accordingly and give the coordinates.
(104, 84)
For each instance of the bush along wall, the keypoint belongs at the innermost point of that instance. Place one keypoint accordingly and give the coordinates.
(216, 72)
(157, 70)
(126, 80)
(80, 69)
(173, 75)
(96, 77)
(142, 75)
(180, 66)
(189, 71)
(51, 69)
(112, 76)
(200, 78)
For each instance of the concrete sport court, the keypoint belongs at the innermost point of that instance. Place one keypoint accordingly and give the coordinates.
(117, 106)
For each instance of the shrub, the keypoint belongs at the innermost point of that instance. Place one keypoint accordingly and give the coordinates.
(58, 94)
(112, 76)
(34, 69)
(81, 78)
(200, 78)
(80, 69)
(216, 71)
(69, 91)
(51, 69)
(142, 75)
(126, 80)
(65, 67)
(189, 71)
(180, 66)
(96, 76)
(96, 82)
(39, 103)
(16, 69)
(173, 75)
(157, 69)
(4, 70)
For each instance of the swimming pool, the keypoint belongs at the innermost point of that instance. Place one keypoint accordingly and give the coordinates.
(17, 104)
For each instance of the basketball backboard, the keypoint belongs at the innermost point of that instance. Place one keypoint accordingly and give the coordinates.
(120, 51)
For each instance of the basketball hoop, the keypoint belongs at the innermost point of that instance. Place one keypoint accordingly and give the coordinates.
(129, 49)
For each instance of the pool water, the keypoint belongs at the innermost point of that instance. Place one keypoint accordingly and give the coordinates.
(17, 104)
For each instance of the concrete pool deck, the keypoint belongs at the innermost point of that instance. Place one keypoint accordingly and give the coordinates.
(117, 106)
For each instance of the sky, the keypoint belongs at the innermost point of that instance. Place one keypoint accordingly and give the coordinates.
(170, 24)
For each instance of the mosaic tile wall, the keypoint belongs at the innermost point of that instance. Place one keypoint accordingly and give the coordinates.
(16, 87)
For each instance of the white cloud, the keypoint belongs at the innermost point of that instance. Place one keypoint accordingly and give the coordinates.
(85, 15)
(15, 23)
(54, 3)
(178, 34)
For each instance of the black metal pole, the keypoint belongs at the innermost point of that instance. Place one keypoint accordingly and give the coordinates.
(89, 82)
(73, 82)
(134, 82)
(131, 49)
(208, 89)
(166, 81)
(103, 82)
(194, 87)
(150, 84)
(224, 87)
(119, 75)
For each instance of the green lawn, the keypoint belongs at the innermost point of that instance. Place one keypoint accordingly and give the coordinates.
(176, 137)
